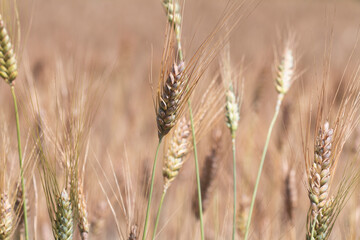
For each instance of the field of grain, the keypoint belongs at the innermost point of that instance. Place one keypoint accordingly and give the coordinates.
(264, 94)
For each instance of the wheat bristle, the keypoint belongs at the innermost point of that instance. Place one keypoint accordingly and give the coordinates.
(8, 64)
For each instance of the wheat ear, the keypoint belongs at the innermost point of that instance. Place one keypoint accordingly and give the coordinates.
(64, 225)
(81, 211)
(232, 114)
(6, 217)
(208, 174)
(319, 182)
(291, 195)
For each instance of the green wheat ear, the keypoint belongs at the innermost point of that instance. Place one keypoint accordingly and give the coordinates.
(64, 218)
(8, 64)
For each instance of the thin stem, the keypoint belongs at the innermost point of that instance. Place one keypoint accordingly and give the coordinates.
(197, 171)
(234, 180)
(277, 110)
(151, 190)
(20, 162)
(158, 213)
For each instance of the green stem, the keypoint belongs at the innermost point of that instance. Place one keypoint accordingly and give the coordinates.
(277, 110)
(151, 190)
(158, 213)
(20, 163)
(234, 180)
(197, 172)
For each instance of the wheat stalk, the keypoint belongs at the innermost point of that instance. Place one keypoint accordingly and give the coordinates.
(283, 81)
(9, 72)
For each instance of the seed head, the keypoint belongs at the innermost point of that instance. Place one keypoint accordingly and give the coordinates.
(175, 156)
(232, 111)
(6, 217)
(8, 64)
(285, 72)
(64, 218)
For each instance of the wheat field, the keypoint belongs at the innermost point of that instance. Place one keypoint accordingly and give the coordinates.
(171, 119)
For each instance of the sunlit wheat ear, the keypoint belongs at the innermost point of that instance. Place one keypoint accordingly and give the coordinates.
(285, 72)
(8, 65)
(170, 100)
(232, 106)
(178, 147)
(6, 217)
(64, 224)
(232, 110)
(321, 216)
(320, 173)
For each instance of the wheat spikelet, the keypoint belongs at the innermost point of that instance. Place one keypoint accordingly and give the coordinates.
(6, 217)
(8, 65)
(291, 195)
(175, 156)
(170, 99)
(208, 174)
(64, 226)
